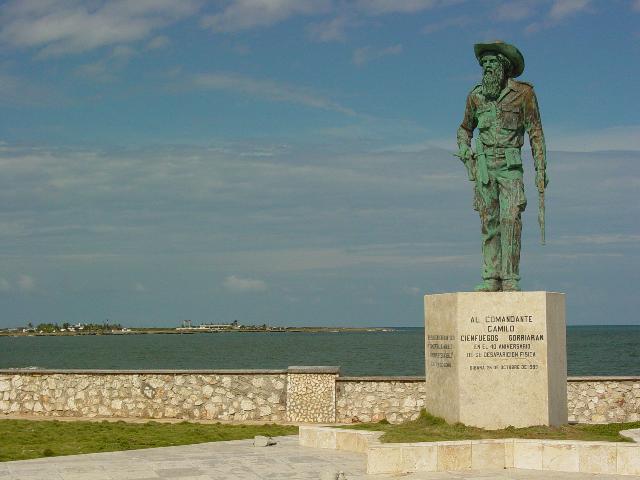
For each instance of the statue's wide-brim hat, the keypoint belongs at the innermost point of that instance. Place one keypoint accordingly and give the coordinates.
(506, 49)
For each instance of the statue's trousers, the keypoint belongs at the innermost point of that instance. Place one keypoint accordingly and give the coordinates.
(500, 200)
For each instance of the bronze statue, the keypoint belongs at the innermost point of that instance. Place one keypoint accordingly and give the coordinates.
(502, 109)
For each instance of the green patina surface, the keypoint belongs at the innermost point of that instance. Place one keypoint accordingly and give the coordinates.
(428, 428)
(502, 110)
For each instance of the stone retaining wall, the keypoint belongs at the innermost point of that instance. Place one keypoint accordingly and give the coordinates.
(299, 394)
(398, 399)
(371, 399)
(257, 395)
(604, 399)
(311, 394)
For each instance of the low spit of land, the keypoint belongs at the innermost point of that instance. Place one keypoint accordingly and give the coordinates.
(24, 439)
(192, 331)
(428, 428)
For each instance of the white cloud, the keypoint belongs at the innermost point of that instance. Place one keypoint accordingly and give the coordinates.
(599, 239)
(16, 90)
(514, 11)
(455, 22)
(237, 284)
(636, 5)
(98, 71)
(381, 7)
(614, 138)
(139, 287)
(246, 14)
(331, 30)
(108, 68)
(364, 55)
(5, 286)
(240, 15)
(26, 283)
(58, 27)
(413, 291)
(244, 209)
(582, 256)
(160, 41)
(241, 49)
(269, 90)
(297, 260)
(123, 53)
(562, 9)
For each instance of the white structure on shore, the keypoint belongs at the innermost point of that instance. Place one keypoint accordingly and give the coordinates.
(210, 327)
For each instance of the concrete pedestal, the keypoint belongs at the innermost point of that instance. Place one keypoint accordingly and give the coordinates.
(496, 359)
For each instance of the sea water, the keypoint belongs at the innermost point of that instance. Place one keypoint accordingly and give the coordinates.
(591, 350)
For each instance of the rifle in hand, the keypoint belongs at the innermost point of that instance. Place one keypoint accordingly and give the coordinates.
(541, 215)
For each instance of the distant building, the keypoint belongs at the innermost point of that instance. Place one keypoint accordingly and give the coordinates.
(209, 327)
(122, 330)
(215, 326)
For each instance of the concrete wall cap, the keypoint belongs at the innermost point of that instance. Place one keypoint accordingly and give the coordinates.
(603, 379)
(494, 293)
(293, 369)
(314, 370)
(29, 371)
(382, 379)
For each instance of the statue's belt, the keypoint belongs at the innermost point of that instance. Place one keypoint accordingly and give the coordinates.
(484, 151)
(492, 151)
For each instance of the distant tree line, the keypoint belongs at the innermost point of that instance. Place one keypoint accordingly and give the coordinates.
(86, 327)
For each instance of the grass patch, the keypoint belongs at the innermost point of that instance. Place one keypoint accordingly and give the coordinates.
(24, 439)
(428, 428)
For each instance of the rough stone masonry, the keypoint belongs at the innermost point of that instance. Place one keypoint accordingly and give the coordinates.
(239, 397)
(314, 396)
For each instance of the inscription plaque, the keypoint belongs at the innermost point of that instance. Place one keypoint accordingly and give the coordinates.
(496, 359)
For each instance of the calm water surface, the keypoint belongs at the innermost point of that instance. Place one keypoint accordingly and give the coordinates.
(598, 350)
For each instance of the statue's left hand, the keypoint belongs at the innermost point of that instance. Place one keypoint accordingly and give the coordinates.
(541, 180)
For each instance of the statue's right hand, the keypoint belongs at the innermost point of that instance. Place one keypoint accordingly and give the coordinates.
(466, 155)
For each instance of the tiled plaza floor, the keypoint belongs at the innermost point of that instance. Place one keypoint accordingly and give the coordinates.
(237, 460)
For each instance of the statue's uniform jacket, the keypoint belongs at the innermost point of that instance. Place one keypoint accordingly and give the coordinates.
(502, 124)
(499, 189)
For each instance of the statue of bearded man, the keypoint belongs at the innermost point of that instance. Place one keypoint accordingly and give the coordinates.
(502, 109)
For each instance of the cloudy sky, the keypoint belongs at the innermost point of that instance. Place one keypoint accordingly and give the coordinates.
(289, 161)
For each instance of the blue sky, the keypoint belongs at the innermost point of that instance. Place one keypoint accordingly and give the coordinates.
(289, 161)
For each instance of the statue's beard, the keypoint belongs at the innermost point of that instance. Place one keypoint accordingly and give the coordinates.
(493, 82)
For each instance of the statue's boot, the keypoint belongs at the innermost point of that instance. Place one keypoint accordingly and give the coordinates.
(511, 286)
(489, 285)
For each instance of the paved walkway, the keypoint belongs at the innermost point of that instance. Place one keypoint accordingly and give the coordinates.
(237, 460)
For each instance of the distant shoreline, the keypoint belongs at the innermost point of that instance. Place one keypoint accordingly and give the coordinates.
(192, 331)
